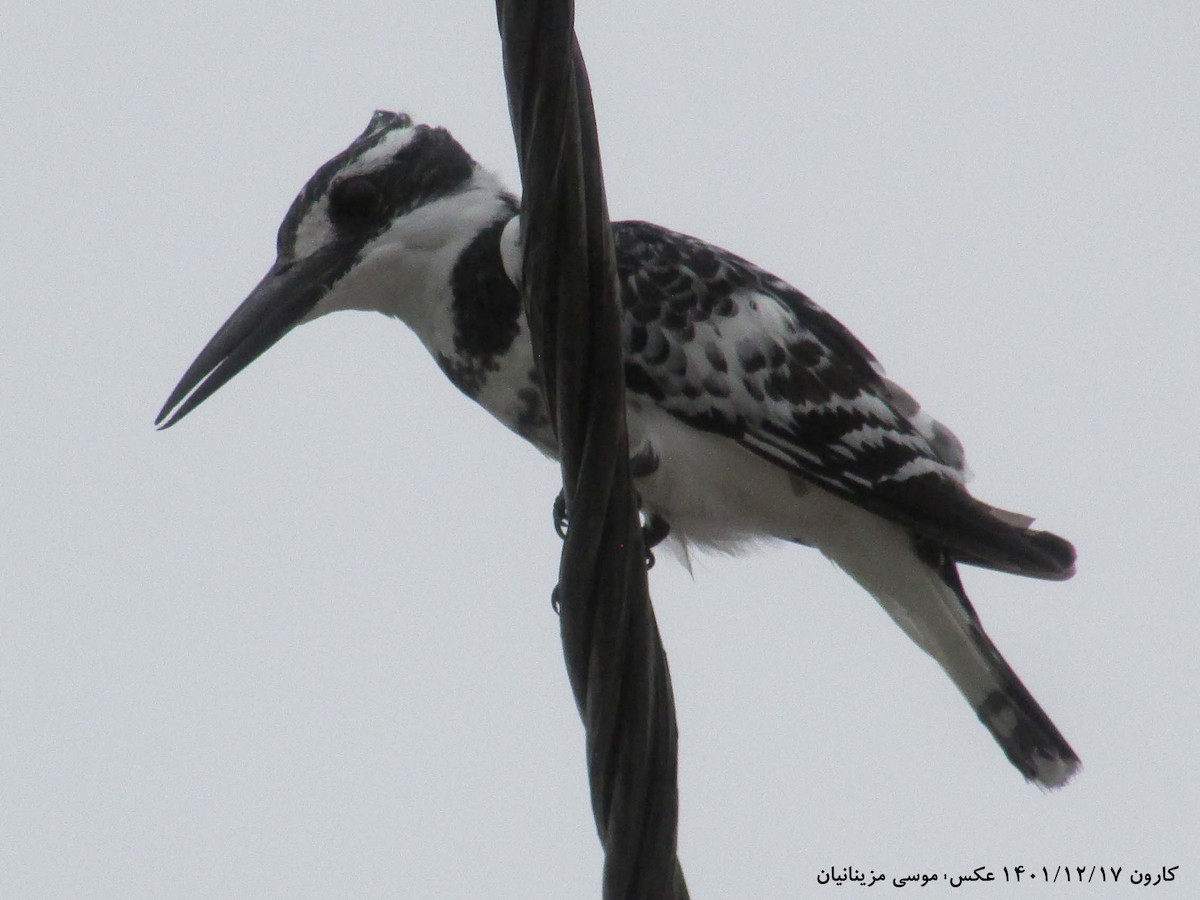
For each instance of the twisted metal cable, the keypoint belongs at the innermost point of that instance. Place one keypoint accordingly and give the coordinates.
(613, 652)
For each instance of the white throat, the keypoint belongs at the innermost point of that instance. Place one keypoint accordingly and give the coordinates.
(406, 271)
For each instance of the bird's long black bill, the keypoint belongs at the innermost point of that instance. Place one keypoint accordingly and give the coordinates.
(284, 296)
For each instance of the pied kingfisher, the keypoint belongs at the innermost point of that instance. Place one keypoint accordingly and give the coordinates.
(752, 413)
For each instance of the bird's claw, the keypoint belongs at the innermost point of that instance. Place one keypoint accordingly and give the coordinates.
(654, 531)
(560, 515)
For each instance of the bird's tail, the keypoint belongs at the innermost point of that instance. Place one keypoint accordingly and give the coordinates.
(920, 589)
(1020, 726)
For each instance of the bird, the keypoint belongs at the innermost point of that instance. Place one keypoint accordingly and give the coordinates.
(752, 413)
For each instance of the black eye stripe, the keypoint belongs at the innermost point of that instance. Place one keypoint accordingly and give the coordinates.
(381, 125)
(429, 165)
(354, 198)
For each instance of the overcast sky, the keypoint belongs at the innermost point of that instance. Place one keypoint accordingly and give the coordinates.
(301, 645)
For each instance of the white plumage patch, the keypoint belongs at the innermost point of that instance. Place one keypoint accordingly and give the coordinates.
(315, 229)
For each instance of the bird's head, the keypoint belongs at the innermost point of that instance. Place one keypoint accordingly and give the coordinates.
(358, 236)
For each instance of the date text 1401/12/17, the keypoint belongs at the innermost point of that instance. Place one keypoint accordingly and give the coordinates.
(1076, 874)
(1090, 874)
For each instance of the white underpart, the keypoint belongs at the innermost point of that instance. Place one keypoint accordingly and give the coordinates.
(715, 493)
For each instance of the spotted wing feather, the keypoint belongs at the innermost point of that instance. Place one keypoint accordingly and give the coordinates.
(727, 347)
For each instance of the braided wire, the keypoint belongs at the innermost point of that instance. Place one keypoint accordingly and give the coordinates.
(613, 652)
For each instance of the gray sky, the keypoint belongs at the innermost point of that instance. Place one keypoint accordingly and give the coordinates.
(302, 646)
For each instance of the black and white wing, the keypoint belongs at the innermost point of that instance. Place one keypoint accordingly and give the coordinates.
(729, 348)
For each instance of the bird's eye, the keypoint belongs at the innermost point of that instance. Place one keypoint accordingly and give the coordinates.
(354, 198)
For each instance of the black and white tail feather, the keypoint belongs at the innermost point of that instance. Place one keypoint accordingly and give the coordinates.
(758, 415)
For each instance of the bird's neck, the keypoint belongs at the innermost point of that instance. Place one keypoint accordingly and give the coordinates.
(427, 258)
(447, 255)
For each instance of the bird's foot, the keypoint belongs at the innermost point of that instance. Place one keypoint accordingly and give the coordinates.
(561, 523)
(654, 529)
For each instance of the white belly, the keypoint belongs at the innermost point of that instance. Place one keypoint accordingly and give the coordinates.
(715, 493)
